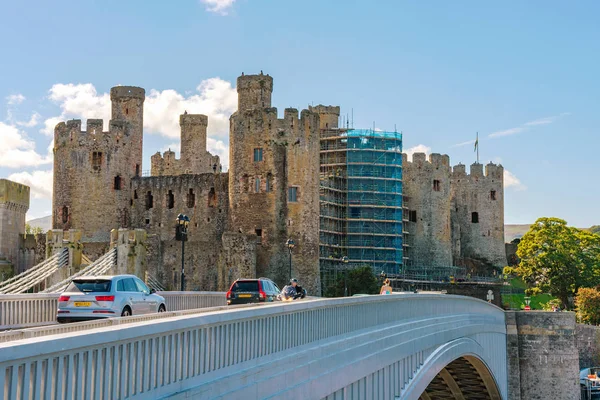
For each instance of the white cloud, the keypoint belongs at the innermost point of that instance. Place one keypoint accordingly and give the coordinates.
(40, 182)
(420, 148)
(17, 150)
(15, 99)
(512, 181)
(33, 121)
(507, 132)
(464, 143)
(79, 101)
(218, 6)
(526, 125)
(214, 97)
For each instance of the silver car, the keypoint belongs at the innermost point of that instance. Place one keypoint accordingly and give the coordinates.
(94, 297)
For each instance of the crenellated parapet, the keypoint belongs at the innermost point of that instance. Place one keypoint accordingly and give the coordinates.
(435, 161)
(328, 115)
(492, 171)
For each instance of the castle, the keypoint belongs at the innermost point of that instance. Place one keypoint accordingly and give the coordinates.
(453, 218)
(240, 220)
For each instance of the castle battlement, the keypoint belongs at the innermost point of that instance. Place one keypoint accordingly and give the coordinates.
(477, 171)
(120, 92)
(71, 132)
(420, 159)
(193, 119)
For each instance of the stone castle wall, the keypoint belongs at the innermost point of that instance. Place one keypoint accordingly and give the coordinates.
(543, 361)
(14, 203)
(194, 157)
(204, 199)
(268, 156)
(478, 218)
(426, 191)
(93, 169)
(459, 216)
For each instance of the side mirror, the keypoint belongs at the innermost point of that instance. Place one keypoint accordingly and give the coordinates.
(152, 291)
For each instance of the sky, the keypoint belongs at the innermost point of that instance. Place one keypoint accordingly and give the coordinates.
(523, 75)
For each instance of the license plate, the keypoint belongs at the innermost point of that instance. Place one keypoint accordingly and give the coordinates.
(82, 304)
(245, 295)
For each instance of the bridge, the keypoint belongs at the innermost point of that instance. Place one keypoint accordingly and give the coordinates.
(402, 346)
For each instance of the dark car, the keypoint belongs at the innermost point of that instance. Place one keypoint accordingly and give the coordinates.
(244, 291)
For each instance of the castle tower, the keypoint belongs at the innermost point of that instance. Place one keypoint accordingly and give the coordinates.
(93, 169)
(254, 91)
(14, 203)
(426, 192)
(193, 141)
(127, 104)
(273, 185)
(328, 115)
(478, 217)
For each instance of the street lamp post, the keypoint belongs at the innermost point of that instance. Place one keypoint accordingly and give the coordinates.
(345, 261)
(181, 234)
(290, 244)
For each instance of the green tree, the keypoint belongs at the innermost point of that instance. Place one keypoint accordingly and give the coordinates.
(361, 280)
(558, 259)
(587, 305)
(36, 230)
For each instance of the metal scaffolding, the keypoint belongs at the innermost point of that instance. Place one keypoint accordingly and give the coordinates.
(361, 201)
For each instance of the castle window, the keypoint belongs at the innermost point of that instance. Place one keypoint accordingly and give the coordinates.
(292, 194)
(412, 215)
(65, 214)
(117, 185)
(147, 221)
(137, 169)
(212, 197)
(258, 236)
(170, 199)
(258, 154)
(257, 185)
(96, 160)
(135, 194)
(475, 217)
(127, 111)
(191, 199)
(436, 185)
(149, 201)
(493, 195)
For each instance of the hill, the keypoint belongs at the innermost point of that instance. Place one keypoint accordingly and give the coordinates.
(44, 222)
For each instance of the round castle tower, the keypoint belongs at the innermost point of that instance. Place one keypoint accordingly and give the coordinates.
(93, 169)
(254, 91)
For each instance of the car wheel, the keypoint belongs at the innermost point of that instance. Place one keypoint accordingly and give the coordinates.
(126, 312)
(162, 308)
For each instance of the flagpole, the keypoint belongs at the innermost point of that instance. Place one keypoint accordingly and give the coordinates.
(477, 147)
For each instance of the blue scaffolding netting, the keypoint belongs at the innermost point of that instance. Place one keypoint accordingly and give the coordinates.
(361, 200)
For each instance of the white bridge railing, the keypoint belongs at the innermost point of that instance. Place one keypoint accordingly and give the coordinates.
(27, 310)
(218, 353)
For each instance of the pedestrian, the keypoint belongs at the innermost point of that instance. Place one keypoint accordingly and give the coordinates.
(386, 288)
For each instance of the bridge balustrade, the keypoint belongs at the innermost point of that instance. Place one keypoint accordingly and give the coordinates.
(36, 309)
(244, 351)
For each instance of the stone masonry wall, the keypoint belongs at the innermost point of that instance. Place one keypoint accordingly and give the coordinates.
(157, 201)
(544, 347)
(93, 169)
(478, 216)
(426, 190)
(588, 345)
(268, 156)
(14, 203)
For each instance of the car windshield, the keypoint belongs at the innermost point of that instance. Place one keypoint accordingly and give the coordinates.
(245, 286)
(89, 285)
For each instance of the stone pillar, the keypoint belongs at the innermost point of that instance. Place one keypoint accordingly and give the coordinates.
(131, 251)
(543, 346)
(512, 354)
(237, 259)
(73, 238)
(56, 240)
